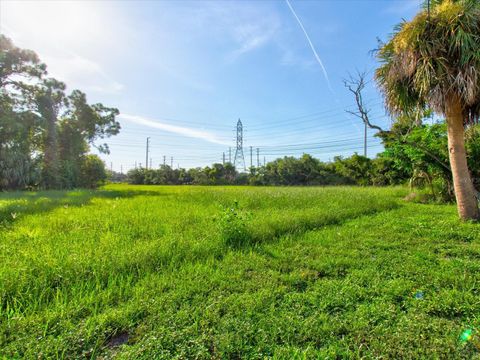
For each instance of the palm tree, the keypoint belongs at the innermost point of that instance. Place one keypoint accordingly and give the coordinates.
(433, 61)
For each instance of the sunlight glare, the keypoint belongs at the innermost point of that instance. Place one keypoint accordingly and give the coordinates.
(59, 22)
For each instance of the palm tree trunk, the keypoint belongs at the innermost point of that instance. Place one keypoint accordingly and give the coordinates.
(467, 204)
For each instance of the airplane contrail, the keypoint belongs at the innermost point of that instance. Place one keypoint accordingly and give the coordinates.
(311, 45)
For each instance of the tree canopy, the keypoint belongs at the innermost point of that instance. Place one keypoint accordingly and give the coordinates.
(46, 133)
(432, 58)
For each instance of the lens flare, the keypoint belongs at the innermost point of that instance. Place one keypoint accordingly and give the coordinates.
(419, 295)
(466, 335)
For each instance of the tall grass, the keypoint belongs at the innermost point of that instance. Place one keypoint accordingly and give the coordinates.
(59, 243)
(80, 268)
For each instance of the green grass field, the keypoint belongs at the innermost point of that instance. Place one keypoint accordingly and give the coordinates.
(145, 272)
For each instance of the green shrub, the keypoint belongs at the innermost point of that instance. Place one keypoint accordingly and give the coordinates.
(233, 226)
(92, 172)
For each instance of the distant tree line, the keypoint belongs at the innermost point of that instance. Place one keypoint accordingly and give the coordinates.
(414, 156)
(286, 171)
(46, 133)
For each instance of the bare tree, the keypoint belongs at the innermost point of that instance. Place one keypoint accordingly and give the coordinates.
(356, 85)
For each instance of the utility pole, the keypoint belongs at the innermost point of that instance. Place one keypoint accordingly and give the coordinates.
(171, 162)
(230, 155)
(150, 163)
(146, 153)
(121, 169)
(251, 157)
(258, 157)
(135, 165)
(223, 162)
(111, 166)
(365, 142)
(164, 160)
(239, 157)
(264, 161)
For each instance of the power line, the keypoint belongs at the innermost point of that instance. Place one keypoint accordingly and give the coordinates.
(146, 154)
(339, 110)
(297, 146)
(329, 151)
(320, 128)
(251, 157)
(312, 143)
(273, 123)
(320, 145)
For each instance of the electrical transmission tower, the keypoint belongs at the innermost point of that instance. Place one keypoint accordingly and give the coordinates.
(239, 159)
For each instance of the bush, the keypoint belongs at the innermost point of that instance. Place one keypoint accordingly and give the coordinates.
(92, 172)
(233, 226)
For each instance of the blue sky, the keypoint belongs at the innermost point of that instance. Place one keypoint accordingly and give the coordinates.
(183, 72)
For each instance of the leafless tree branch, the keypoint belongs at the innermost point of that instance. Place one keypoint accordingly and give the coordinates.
(356, 85)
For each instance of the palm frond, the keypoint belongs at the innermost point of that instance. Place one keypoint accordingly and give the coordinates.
(433, 57)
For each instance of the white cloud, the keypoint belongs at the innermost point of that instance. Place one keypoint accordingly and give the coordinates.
(243, 27)
(251, 36)
(185, 131)
(78, 71)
